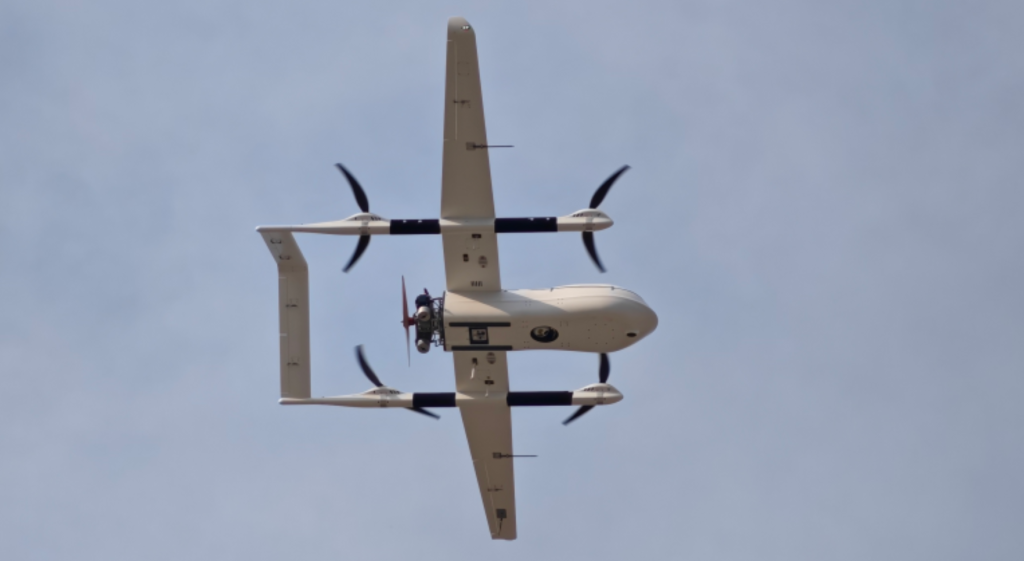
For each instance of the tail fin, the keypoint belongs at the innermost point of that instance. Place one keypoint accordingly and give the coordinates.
(293, 310)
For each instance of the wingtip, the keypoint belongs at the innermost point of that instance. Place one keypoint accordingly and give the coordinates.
(458, 24)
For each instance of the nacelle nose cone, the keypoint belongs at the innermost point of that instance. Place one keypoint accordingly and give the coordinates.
(586, 220)
(383, 390)
(596, 394)
(364, 216)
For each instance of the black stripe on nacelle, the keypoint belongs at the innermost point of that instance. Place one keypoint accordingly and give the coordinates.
(521, 399)
(481, 347)
(433, 399)
(522, 225)
(425, 226)
(480, 324)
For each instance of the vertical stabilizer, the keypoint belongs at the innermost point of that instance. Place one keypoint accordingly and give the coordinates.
(293, 311)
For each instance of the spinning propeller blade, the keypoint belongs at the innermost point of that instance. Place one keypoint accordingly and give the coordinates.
(602, 191)
(579, 413)
(603, 371)
(422, 411)
(372, 376)
(364, 205)
(407, 322)
(595, 201)
(357, 189)
(588, 242)
(364, 242)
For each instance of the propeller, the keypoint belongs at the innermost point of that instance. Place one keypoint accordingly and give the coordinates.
(372, 376)
(407, 322)
(603, 372)
(595, 201)
(364, 205)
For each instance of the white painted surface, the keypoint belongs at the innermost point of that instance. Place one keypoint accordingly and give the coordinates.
(588, 318)
(293, 312)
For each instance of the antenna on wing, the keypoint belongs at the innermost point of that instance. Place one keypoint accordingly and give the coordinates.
(475, 146)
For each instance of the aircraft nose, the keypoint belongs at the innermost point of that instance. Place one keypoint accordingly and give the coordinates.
(643, 323)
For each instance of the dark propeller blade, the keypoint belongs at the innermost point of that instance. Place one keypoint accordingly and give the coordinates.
(366, 367)
(357, 190)
(603, 189)
(407, 322)
(364, 242)
(376, 381)
(579, 413)
(588, 241)
(364, 205)
(597, 199)
(425, 412)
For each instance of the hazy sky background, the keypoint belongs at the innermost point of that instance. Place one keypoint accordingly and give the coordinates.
(824, 209)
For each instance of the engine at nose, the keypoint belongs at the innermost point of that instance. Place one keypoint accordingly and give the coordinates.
(428, 321)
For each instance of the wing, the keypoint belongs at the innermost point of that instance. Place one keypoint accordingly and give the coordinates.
(488, 422)
(293, 311)
(471, 261)
(470, 257)
(466, 171)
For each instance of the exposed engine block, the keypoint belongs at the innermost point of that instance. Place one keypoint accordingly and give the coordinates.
(429, 322)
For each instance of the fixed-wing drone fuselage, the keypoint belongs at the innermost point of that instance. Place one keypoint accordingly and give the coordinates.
(475, 318)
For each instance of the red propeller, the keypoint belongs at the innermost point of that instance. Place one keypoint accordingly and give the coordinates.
(407, 322)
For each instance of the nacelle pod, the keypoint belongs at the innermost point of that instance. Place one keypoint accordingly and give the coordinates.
(594, 394)
(376, 397)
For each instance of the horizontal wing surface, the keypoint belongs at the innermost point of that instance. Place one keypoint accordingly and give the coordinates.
(470, 258)
(466, 168)
(488, 422)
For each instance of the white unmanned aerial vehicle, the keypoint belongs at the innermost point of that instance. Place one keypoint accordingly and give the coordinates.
(476, 320)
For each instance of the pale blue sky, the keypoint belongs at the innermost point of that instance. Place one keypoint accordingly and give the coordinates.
(824, 208)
